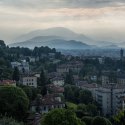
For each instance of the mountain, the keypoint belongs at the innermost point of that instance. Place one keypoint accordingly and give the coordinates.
(59, 36)
(104, 43)
(52, 42)
(64, 33)
(122, 45)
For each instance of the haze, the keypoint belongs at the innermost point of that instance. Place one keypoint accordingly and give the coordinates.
(100, 19)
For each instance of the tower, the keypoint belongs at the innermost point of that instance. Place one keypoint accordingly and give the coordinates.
(121, 53)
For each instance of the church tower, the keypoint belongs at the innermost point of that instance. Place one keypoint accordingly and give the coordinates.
(121, 53)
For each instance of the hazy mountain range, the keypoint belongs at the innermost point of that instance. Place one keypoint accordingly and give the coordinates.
(60, 38)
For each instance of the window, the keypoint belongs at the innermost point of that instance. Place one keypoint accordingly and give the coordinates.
(44, 107)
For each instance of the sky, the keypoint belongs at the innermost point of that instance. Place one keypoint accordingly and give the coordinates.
(99, 19)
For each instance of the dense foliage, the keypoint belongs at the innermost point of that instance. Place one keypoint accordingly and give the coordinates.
(13, 102)
(9, 121)
(61, 117)
(119, 119)
(100, 121)
(77, 95)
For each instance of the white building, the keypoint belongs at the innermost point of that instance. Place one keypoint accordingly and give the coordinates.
(48, 103)
(110, 98)
(58, 81)
(29, 81)
(23, 66)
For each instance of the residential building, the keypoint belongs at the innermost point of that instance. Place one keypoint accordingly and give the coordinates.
(55, 89)
(91, 87)
(75, 66)
(110, 98)
(8, 82)
(23, 66)
(47, 103)
(58, 81)
(29, 81)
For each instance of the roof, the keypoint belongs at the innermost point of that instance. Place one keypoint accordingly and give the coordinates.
(7, 82)
(94, 85)
(49, 99)
(55, 88)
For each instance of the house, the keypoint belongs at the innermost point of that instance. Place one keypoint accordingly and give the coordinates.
(55, 89)
(111, 98)
(29, 81)
(8, 82)
(91, 87)
(120, 78)
(59, 81)
(47, 103)
(15, 64)
(51, 56)
(75, 66)
(32, 59)
(23, 66)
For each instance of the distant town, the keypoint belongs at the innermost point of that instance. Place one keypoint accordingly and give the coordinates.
(38, 85)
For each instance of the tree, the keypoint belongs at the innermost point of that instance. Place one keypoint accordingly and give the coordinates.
(9, 121)
(119, 119)
(61, 117)
(16, 74)
(69, 78)
(13, 102)
(87, 120)
(42, 81)
(100, 121)
(85, 97)
(92, 109)
(2, 44)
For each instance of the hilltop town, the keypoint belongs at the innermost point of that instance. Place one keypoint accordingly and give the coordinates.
(88, 86)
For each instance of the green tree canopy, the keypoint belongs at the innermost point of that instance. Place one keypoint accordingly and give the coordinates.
(85, 97)
(87, 120)
(42, 80)
(13, 102)
(100, 121)
(69, 78)
(16, 75)
(61, 117)
(119, 119)
(9, 121)
(2, 44)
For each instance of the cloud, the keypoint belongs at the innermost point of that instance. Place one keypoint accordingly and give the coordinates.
(45, 4)
(85, 16)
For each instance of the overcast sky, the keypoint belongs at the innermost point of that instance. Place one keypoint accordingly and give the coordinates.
(99, 19)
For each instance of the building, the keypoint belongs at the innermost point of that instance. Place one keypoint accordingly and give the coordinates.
(8, 82)
(91, 87)
(119, 78)
(121, 54)
(55, 89)
(29, 81)
(47, 103)
(75, 66)
(110, 98)
(59, 81)
(23, 66)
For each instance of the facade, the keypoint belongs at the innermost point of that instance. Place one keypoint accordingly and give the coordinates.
(110, 98)
(120, 78)
(8, 82)
(90, 87)
(47, 103)
(23, 66)
(75, 66)
(58, 81)
(29, 81)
